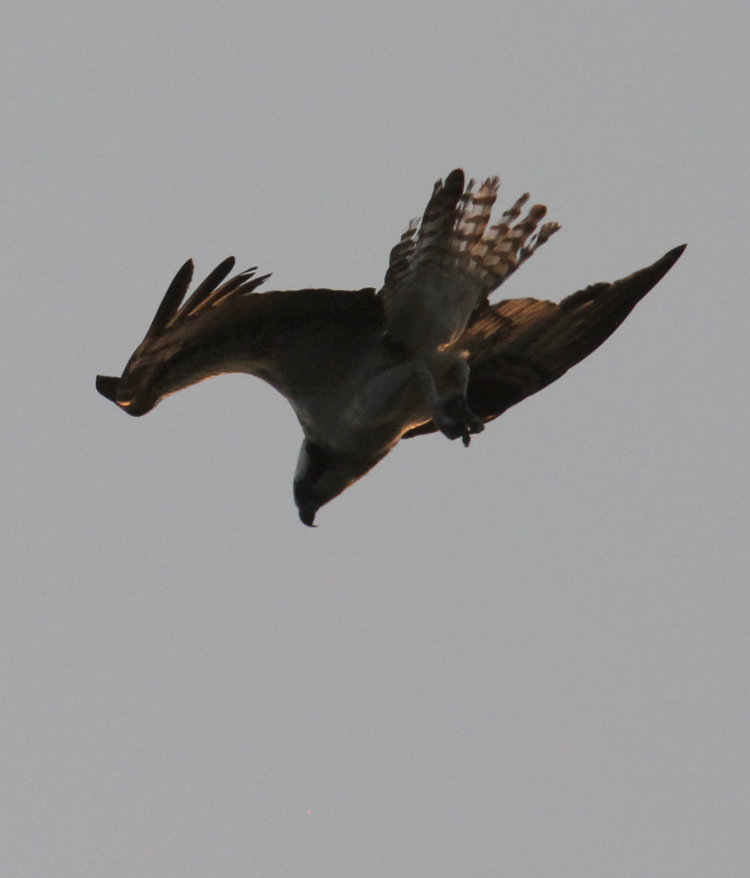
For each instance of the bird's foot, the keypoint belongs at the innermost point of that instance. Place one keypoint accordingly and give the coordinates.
(454, 418)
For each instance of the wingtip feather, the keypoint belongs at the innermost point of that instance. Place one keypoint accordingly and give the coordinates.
(674, 254)
(107, 385)
(172, 298)
(648, 277)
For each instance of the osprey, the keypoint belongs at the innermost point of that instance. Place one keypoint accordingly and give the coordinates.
(363, 369)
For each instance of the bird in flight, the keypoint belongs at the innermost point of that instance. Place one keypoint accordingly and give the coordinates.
(365, 368)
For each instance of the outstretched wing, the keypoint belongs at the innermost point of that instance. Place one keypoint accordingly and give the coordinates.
(170, 323)
(225, 326)
(519, 346)
(448, 262)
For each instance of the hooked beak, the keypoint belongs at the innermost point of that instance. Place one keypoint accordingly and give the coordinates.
(307, 515)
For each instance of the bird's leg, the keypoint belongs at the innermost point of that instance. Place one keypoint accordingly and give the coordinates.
(412, 387)
(450, 410)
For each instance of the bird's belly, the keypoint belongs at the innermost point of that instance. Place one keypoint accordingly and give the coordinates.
(366, 412)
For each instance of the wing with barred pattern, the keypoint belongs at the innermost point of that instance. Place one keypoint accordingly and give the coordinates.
(520, 346)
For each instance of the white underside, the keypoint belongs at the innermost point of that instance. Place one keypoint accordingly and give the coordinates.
(432, 309)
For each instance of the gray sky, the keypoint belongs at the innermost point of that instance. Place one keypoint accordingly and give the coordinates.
(525, 659)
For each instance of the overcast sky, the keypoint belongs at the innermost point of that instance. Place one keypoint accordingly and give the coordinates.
(528, 658)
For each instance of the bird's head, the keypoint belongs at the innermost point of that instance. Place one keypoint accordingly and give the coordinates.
(323, 474)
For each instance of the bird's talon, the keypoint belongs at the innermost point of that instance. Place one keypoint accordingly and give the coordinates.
(456, 419)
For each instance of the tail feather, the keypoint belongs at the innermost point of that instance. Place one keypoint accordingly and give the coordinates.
(501, 253)
(454, 235)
